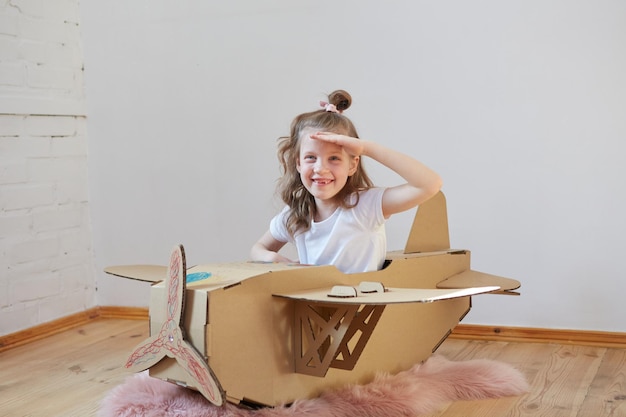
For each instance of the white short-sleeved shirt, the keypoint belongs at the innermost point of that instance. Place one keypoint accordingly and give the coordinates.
(352, 239)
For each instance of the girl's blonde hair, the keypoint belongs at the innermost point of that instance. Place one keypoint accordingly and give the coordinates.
(290, 187)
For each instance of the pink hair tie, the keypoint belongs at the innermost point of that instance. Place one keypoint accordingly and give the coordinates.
(329, 107)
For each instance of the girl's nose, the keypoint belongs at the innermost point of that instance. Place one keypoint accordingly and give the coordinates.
(319, 166)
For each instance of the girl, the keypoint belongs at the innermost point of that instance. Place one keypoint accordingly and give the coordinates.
(334, 214)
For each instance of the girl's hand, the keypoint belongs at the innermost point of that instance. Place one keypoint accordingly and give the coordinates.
(266, 250)
(353, 146)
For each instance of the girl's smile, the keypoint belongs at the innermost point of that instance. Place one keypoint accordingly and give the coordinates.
(320, 181)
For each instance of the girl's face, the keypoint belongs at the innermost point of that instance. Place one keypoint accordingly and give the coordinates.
(324, 167)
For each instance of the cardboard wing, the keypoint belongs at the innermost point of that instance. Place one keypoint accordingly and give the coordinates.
(146, 273)
(388, 296)
(328, 320)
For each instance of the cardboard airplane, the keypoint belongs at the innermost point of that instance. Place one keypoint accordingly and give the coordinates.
(271, 333)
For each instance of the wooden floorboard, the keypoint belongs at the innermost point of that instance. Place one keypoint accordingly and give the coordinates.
(68, 374)
(566, 380)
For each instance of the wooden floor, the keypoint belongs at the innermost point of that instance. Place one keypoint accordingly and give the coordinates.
(67, 375)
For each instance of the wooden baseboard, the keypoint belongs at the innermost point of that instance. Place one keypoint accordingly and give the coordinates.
(129, 313)
(462, 331)
(47, 329)
(44, 330)
(534, 335)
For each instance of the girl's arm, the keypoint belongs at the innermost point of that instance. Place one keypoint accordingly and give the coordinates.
(266, 249)
(422, 182)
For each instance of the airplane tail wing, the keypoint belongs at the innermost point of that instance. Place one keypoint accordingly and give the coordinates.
(429, 232)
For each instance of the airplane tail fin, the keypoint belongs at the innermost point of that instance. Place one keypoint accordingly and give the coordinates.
(429, 232)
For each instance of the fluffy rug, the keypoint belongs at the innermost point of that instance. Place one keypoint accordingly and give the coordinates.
(420, 390)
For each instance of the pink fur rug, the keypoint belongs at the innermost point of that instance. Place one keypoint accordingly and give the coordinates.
(420, 390)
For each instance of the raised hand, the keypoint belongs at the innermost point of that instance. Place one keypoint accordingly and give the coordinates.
(353, 146)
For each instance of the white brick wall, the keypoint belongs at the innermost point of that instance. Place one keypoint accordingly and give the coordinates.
(41, 65)
(46, 257)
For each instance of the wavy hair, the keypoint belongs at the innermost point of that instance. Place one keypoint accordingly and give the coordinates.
(290, 187)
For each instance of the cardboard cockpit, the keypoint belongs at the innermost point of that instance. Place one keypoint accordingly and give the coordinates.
(270, 333)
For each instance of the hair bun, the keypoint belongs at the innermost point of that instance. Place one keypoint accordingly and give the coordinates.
(341, 99)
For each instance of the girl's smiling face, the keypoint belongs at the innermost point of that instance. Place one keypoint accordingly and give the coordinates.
(324, 167)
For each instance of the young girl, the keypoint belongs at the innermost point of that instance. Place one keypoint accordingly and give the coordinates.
(334, 214)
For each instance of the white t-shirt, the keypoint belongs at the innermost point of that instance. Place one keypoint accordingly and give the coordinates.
(352, 239)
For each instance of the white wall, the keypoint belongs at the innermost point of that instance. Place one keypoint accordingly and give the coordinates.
(519, 105)
(46, 257)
